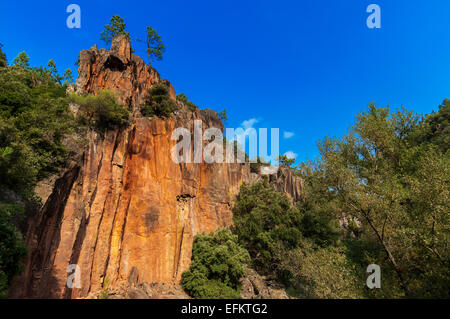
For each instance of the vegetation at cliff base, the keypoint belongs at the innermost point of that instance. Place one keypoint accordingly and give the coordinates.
(12, 249)
(216, 266)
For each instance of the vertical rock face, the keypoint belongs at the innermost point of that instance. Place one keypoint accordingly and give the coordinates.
(125, 207)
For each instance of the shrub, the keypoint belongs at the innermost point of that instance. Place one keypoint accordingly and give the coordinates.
(159, 102)
(182, 98)
(191, 106)
(12, 249)
(320, 273)
(101, 110)
(3, 60)
(264, 219)
(256, 167)
(216, 266)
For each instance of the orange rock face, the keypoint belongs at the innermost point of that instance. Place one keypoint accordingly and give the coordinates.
(128, 205)
(118, 70)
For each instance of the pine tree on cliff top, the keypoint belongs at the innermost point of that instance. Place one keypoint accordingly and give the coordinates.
(116, 26)
(155, 47)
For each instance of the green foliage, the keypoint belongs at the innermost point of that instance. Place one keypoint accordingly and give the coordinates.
(391, 174)
(256, 167)
(12, 249)
(265, 219)
(22, 60)
(101, 111)
(321, 273)
(159, 102)
(34, 118)
(3, 60)
(155, 46)
(182, 98)
(67, 76)
(285, 161)
(216, 266)
(191, 106)
(116, 26)
(223, 115)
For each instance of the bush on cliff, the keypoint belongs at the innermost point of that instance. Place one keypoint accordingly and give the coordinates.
(216, 266)
(183, 98)
(159, 102)
(101, 111)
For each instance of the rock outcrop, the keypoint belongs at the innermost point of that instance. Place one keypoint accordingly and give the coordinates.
(124, 205)
(118, 70)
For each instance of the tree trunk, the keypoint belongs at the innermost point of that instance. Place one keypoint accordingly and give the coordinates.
(389, 255)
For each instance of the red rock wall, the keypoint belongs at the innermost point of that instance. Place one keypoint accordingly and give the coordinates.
(127, 205)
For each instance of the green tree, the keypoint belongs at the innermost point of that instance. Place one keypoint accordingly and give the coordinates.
(116, 26)
(155, 46)
(285, 161)
(182, 97)
(3, 60)
(264, 219)
(67, 76)
(101, 111)
(22, 60)
(397, 186)
(12, 249)
(159, 102)
(216, 266)
(223, 115)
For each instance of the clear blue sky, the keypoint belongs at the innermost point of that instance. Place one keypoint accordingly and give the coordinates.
(305, 66)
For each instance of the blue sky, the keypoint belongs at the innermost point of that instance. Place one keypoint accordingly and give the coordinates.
(304, 66)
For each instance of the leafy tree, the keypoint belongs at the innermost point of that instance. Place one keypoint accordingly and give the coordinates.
(12, 249)
(116, 26)
(52, 67)
(394, 179)
(223, 115)
(263, 220)
(101, 111)
(321, 273)
(159, 102)
(182, 97)
(155, 46)
(216, 266)
(3, 60)
(22, 60)
(285, 161)
(67, 76)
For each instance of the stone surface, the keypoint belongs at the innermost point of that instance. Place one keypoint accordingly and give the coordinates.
(123, 211)
(118, 70)
(255, 286)
(127, 205)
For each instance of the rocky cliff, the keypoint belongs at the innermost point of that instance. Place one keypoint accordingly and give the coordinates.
(124, 207)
